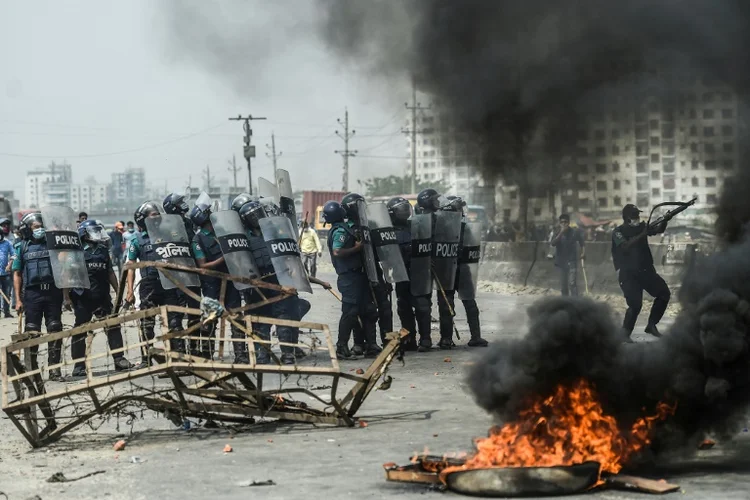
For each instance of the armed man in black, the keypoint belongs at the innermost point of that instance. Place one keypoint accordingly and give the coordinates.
(96, 301)
(632, 258)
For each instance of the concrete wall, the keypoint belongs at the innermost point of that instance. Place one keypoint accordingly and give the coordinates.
(514, 263)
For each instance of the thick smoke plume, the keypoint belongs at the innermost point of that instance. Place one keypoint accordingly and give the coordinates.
(516, 77)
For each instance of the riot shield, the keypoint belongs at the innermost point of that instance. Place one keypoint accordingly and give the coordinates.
(267, 189)
(445, 242)
(235, 247)
(368, 252)
(64, 246)
(468, 260)
(281, 242)
(383, 237)
(286, 197)
(171, 243)
(421, 255)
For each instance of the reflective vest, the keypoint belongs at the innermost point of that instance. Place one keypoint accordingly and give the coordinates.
(403, 238)
(342, 265)
(146, 252)
(212, 251)
(37, 268)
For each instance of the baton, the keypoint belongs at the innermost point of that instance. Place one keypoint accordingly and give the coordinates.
(585, 279)
(450, 309)
(5, 297)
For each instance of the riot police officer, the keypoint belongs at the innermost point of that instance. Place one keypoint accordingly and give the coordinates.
(36, 293)
(292, 307)
(632, 258)
(357, 305)
(96, 301)
(382, 290)
(208, 255)
(150, 290)
(413, 311)
(456, 204)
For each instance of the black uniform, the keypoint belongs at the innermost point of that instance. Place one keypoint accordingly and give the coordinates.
(205, 245)
(42, 300)
(152, 293)
(95, 302)
(414, 312)
(637, 273)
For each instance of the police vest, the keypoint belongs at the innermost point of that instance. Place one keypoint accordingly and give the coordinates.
(261, 255)
(97, 265)
(342, 265)
(147, 252)
(37, 268)
(403, 238)
(212, 251)
(638, 257)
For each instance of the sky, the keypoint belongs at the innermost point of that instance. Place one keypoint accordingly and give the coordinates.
(106, 84)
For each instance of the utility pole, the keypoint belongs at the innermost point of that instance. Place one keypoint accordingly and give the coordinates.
(249, 150)
(273, 154)
(346, 153)
(207, 178)
(415, 106)
(234, 169)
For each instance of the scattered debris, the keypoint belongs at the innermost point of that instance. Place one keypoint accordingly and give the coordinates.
(270, 440)
(360, 371)
(634, 483)
(706, 444)
(120, 445)
(386, 383)
(267, 482)
(362, 423)
(136, 460)
(228, 449)
(59, 477)
(447, 360)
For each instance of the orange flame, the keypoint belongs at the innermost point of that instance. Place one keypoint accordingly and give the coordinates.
(566, 428)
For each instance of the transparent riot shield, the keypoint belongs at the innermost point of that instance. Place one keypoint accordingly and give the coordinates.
(281, 242)
(445, 243)
(368, 251)
(286, 197)
(170, 240)
(468, 260)
(64, 246)
(421, 255)
(384, 240)
(235, 246)
(267, 189)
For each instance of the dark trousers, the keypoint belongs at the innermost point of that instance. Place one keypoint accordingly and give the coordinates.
(44, 303)
(633, 283)
(292, 308)
(382, 292)
(569, 279)
(232, 300)
(447, 321)
(152, 294)
(310, 261)
(86, 307)
(414, 312)
(6, 285)
(358, 310)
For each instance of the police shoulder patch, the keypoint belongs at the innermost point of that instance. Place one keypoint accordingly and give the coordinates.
(618, 237)
(341, 238)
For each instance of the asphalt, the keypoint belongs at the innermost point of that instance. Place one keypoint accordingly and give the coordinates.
(427, 407)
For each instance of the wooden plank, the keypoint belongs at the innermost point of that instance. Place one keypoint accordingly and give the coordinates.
(222, 321)
(287, 322)
(642, 484)
(4, 374)
(412, 473)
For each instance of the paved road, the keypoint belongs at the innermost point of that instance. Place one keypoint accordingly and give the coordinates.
(427, 406)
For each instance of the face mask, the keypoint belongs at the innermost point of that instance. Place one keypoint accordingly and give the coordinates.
(39, 233)
(635, 222)
(131, 230)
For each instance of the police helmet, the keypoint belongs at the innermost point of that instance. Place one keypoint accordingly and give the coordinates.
(630, 211)
(176, 204)
(240, 200)
(4, 220)
(199, 214)
(428, 200)
(454, 204)
(251, 213)
(333, 212)
(400, 210)
(144, 211)
(349, 203)
(92, 230)
(27, 222)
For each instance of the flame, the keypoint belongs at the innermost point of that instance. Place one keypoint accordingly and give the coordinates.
(566, 428)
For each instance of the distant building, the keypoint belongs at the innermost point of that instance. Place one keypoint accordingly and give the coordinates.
(87, 197)
(48, 186)
(128, 187)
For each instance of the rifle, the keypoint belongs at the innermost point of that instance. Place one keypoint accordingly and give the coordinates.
(681, 207)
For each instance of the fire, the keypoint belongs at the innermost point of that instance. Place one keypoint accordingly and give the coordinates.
(566, 428)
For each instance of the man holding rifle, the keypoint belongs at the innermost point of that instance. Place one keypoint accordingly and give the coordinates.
(632, 258)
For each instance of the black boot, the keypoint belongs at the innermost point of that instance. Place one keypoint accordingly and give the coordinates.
(651, 328)
(625, 334)
(478, 342)
(425, 344)
(446, 343)
(343, 352)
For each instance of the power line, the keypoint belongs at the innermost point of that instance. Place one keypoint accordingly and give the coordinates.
(346, 153)
(249, 150)
(273, 154)
(233, 168)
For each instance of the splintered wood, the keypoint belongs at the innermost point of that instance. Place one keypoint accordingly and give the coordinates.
(180, 385)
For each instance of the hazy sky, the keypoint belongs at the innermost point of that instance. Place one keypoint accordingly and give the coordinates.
(109, 84)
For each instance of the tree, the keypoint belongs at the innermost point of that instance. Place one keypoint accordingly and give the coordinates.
(394, 185)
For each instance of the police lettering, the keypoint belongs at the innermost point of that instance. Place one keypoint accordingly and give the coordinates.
(446, 250)
(425, 248)
(474, 255)
(284, 247)
(237, 243)
(388, 235)
(97, 266)
(171, 250)
(66, 240)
